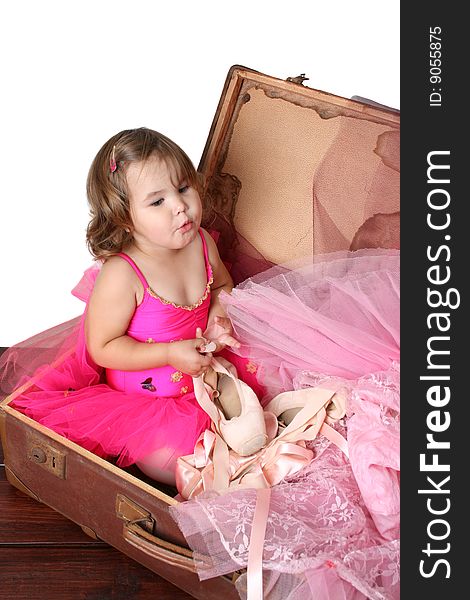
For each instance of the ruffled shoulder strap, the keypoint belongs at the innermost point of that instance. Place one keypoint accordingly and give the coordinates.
(85, 286)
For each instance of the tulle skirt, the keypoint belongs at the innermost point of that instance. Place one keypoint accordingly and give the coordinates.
(338, 315)
(333, 528)
(70, 396)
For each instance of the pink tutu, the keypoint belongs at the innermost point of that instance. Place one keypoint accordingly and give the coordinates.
(333, 528)
(72, 399)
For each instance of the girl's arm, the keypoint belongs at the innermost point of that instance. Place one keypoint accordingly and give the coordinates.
(110, 309)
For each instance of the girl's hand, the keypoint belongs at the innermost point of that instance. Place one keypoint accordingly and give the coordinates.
(185, 356)
(221, 332)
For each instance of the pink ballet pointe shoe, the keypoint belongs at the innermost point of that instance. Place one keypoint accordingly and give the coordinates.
(288, 404)
(243, 429)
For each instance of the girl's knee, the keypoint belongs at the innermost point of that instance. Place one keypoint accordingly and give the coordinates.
(160, 465)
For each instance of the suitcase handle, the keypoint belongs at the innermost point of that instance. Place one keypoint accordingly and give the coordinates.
(138, 529)
(153, 546)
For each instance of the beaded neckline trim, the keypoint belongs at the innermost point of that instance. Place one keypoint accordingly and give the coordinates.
(184, 307)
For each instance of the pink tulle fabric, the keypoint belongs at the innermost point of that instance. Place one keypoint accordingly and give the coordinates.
(333, 528)
(71, 397)
(337, 314)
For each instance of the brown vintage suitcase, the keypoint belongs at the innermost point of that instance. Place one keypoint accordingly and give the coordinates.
(288, 171)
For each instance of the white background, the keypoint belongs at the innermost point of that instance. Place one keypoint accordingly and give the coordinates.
(73, 74)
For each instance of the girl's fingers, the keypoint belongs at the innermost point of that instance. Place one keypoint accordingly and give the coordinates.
(206, 361)
(201, 341)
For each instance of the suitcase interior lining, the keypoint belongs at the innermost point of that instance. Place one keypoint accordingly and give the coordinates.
(282, 146)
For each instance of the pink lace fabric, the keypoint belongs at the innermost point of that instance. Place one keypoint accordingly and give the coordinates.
(333, 528)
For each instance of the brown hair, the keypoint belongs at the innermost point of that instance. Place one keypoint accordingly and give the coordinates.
(107, 190)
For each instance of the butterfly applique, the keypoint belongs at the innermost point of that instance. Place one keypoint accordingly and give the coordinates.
(148, 385)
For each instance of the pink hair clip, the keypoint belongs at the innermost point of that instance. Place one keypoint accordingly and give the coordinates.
(112, 161)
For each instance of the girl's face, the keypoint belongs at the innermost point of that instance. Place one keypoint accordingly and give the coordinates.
(166, 211)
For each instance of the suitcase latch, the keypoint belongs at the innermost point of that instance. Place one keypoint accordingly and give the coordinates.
(47, 457)
(299, 79)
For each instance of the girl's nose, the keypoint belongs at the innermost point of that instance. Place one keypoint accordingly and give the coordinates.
(179, 206)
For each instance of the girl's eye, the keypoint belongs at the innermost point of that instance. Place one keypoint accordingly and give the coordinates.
(183, 189)
(157, 202)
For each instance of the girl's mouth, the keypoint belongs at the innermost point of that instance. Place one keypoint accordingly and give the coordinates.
(185, 227)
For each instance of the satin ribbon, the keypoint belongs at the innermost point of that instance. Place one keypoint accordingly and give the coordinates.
(214, 467)
(254, 571)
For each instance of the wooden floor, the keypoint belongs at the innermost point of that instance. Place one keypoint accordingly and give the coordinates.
(44, 556)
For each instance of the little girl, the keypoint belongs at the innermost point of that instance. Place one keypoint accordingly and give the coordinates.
(155, 293)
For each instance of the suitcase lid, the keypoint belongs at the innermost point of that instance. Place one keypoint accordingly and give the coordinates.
(289, 171)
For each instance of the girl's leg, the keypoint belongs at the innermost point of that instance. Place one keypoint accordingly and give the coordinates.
(160, 465)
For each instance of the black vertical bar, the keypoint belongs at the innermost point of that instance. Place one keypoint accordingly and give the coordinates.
(434, 250)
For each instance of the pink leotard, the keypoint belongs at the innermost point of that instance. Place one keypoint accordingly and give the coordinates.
(158, 320)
